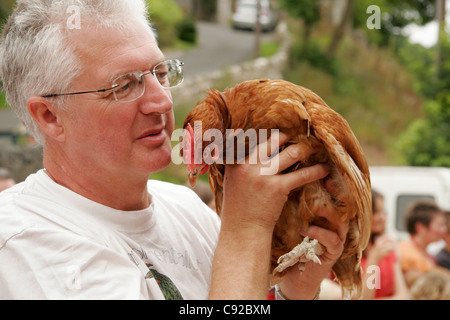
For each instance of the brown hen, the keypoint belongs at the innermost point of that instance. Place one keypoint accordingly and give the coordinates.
(306, 118)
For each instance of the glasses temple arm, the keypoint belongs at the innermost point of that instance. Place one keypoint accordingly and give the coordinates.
(75, 93)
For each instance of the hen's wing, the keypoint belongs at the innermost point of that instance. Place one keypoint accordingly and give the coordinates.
(347, 155)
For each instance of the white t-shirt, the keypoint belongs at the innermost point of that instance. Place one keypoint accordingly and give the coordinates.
(56, 244)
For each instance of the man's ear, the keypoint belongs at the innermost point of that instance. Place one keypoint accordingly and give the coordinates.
(45, 114)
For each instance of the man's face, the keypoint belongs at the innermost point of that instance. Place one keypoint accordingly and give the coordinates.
(437, 228)
(130, 138)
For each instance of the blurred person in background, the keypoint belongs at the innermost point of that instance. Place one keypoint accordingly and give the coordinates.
(425, 223)
(6, 179)
(443, 256)
(432, 285)
(382, 251)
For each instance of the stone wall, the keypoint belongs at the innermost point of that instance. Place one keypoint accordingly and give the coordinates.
(20, 160)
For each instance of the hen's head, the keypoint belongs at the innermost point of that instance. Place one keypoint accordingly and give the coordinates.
(188, 153)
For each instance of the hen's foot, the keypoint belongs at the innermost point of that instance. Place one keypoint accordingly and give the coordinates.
(302, 253)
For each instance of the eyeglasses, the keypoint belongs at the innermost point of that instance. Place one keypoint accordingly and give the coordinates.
(131, 86)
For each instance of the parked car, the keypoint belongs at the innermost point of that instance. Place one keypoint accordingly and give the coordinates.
(245, 15)
(401, 186)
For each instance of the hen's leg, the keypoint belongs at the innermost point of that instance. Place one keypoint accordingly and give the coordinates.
(304, 252)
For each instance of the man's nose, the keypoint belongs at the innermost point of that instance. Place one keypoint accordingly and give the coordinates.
(156, 99)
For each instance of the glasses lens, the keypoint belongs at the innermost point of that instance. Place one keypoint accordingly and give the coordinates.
(169, 73)
(131, 86)
(128, 87)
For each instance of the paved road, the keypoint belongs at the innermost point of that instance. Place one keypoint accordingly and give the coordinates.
(219, 46)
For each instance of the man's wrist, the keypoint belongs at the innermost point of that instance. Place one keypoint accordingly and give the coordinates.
(279, 295)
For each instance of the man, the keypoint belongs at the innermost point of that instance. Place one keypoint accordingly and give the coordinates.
(91, 225)
(425, 223)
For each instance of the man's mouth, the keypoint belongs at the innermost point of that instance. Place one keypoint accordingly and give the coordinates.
(154, 136)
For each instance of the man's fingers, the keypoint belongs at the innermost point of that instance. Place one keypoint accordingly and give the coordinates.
(300, 177)
(293, 154)
(341, 226)
(270, 147)
(328, 238)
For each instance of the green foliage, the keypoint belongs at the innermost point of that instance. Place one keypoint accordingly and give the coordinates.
(395, 14)
(6, 7)
(427, 141)
(315, 56)
(269, 48)
(368, 86)
(421, 62)
(171, 23)
(379, 87)
(187, 30)
(443, 73)
(3, 104)
(165, 15)
(308, 10)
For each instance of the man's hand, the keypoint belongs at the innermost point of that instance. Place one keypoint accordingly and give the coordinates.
(252, 204)
(256, 199)
(296, 285)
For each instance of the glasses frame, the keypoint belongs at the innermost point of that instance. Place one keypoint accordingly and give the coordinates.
(141, 74)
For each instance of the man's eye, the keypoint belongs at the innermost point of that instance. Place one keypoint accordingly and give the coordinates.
(123, 88)
(162, 75)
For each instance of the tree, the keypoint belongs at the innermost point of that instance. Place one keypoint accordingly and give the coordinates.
(307, 10)
(396, 14)
(340, 30)
(440, 17)
(258, 31)
(427, 141)
(165, 15)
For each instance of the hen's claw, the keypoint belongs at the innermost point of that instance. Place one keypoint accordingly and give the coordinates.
(303, 252)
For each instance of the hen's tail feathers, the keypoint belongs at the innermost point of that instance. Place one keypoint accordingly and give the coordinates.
(358, 181)
(349, 273)
(348, 268)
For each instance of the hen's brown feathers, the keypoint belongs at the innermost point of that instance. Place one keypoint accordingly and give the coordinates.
(304, 116)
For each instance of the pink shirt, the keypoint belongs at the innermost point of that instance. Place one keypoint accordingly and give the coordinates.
(387, 281)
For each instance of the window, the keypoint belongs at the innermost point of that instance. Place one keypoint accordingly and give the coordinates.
(403, 202)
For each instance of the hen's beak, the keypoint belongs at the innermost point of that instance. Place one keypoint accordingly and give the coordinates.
(192, 177)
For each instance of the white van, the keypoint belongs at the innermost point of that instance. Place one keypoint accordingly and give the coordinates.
(401, 186)
(245, 14)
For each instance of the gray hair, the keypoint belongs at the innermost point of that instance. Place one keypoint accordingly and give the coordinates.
(36, 57)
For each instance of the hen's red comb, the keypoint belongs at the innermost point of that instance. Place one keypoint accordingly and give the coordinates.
(188, 145)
